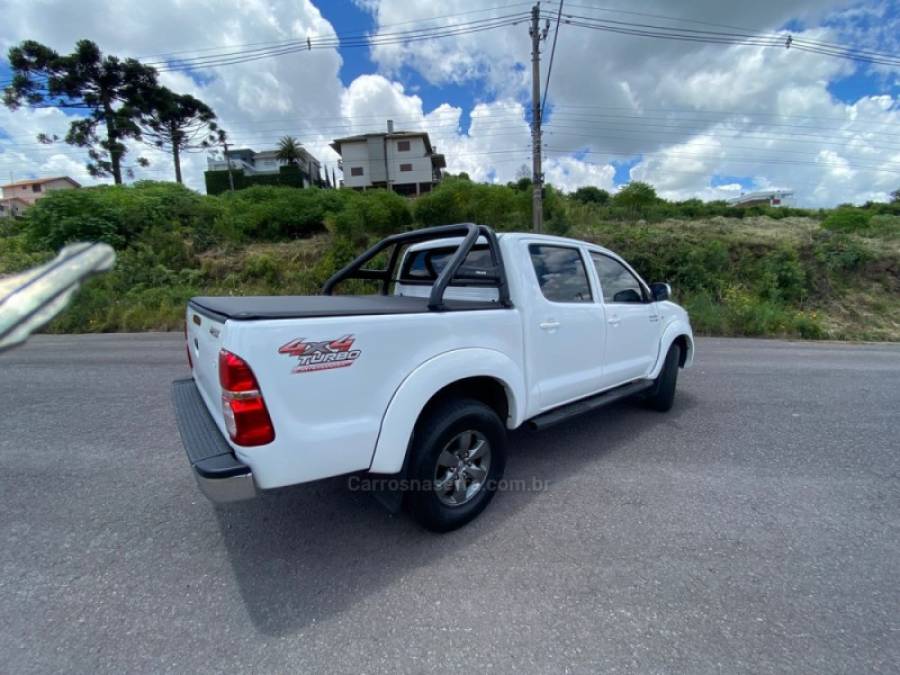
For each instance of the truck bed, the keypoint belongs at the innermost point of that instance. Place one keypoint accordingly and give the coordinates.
(255, 308)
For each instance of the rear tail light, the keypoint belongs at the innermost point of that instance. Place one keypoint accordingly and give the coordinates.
(246, 416)
(187, 347)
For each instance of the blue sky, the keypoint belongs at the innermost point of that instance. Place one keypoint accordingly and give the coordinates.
(347, 17)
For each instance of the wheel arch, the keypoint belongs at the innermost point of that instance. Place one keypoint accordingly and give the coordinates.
(676, 332)
(483, 374)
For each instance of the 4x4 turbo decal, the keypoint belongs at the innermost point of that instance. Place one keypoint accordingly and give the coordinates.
(321, 355)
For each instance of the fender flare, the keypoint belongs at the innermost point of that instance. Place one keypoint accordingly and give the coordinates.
(429, 378)
(674, 330)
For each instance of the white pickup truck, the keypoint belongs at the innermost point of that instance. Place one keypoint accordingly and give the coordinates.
(472, 333)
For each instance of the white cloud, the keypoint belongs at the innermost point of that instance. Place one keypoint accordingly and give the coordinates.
(691, 111)
(688, 111)
(256, 101)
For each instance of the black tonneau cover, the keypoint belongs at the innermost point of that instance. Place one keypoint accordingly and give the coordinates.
(251, 308)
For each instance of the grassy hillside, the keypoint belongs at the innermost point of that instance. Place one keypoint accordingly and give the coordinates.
(810, 274)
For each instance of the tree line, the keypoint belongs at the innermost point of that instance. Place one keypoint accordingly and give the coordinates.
(119, 100)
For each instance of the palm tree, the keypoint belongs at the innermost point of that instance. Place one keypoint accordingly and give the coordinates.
(289, 150)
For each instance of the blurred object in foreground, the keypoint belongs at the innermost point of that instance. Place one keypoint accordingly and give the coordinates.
(30, 299)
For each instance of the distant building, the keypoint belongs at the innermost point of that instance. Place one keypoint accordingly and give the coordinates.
(402, 161)
(251, 163)
(18, 196)
(763, 198)
(12, 207)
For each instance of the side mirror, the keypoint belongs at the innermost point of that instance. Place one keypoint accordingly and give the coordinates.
(660, 291)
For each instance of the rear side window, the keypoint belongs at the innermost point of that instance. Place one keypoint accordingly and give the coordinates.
(560, 272)
(425, 266)
(616, 282)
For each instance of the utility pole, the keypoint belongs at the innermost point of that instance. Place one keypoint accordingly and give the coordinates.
(537, 176)
(228, 159)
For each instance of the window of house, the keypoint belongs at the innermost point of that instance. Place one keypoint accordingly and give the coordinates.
(561, 273)
(616, 282)
(406, 167)
(402, 146)
(36, 187)
(356, 171)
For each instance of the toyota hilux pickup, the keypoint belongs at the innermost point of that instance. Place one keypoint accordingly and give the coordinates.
(468, 334)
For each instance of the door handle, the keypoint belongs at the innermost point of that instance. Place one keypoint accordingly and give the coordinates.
(549, 325)
(614, 320)
(654, 317)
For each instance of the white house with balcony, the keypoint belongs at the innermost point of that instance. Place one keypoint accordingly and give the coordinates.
(764, 198)
(252, 163)
(402, 161)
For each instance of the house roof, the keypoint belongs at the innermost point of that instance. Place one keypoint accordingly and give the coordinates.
(40, 181)
(336, 143)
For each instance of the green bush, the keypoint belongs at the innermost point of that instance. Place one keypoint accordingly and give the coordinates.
(846, 219)
(884, 225)
(269, 213)
(462, 201)
(741, 312)
(373, 212)
(840, 253)
(117, 215)
(262, 267)
(16, 254)
(635, 196)
(590, 194)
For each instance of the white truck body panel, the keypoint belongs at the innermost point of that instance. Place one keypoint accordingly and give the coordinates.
(360, 416)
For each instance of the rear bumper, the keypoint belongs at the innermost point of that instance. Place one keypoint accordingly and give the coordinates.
(222, 477)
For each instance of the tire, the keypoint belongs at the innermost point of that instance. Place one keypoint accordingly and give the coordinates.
(461, 432)
(662, 393)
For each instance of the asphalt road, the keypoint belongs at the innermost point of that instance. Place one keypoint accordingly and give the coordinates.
(754, 528)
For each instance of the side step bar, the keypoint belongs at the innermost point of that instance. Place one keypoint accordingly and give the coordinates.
(584, 405)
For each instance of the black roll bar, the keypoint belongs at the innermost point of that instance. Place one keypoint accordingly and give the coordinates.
(470, 233)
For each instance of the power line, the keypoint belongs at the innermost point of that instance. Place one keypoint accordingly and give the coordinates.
(700, 126)
(294, 46)
(744, 30)
(735, 113)
(732, 160)
(550, 65)
(345, 35)
(234, 56)
(720, 37)
(562, 113)
(689, 135)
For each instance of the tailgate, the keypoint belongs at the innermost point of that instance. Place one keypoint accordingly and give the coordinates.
(205, 337)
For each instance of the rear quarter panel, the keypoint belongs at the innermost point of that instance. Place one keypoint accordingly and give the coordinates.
(327, 422)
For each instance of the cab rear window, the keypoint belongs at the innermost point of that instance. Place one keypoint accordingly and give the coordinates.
(425, 266)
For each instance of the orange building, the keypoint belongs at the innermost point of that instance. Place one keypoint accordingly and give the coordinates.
(32, 189)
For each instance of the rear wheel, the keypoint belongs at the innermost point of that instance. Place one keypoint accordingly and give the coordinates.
(459, 454)
(662, 393)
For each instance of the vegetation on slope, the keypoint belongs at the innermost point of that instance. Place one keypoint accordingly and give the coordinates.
(739, 271)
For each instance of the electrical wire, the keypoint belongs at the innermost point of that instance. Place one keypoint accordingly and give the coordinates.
(787, 41)
(743, 29)
(729, 160)
(550, 65)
